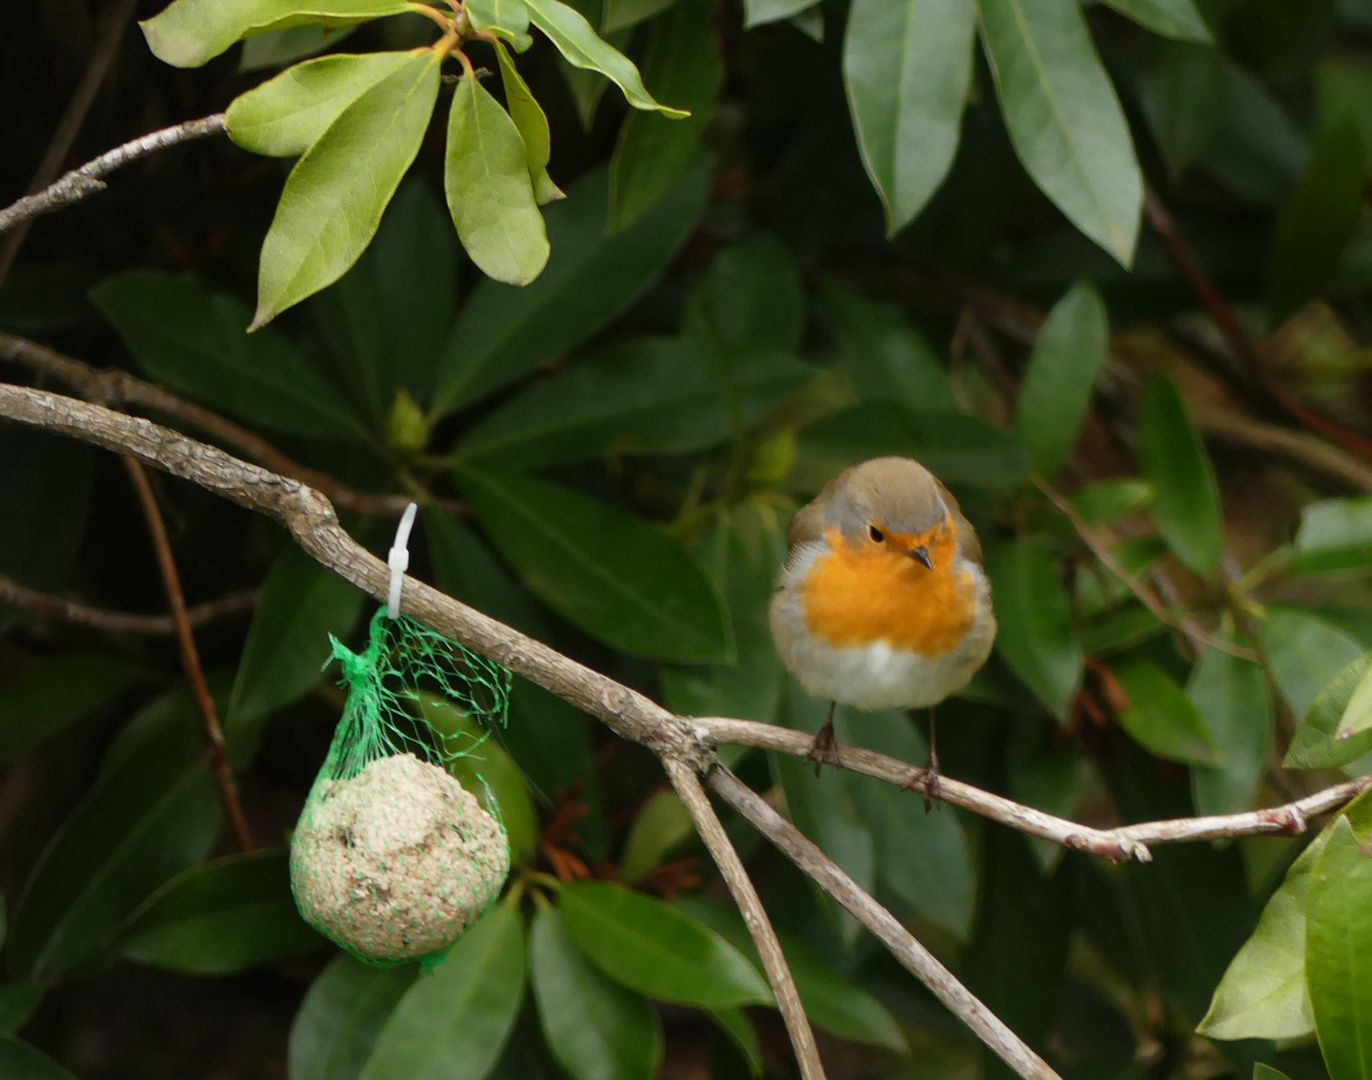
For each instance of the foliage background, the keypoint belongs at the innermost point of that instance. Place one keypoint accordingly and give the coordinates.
(703, 370)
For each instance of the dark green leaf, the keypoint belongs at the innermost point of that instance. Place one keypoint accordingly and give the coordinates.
(47, 695)
(187, 33)
(1305, 652)
(45, 492)
(596, 1029)
(300, 605)
(1316, 744)
(1183, 89)
(760, 12)
(742, 1033)
(18, 1001)
(751, 297)
(1334, 535)
(1056, 391)
(619, 578)
(955, 448)
(334, 197)
(490, 192)
(1036, 636)
(907, 67)
(278, 47)
(651, 947)
(622, 14)
(505, 332)
(661, 825)
(1187, 504)
(452, 1023)
(1162, 718)
(1266, 1072)
(1177, 19)
(341, 1017)
(1256, 151)
(151, 813)
(1230, 694)
(653, 153)
(1315, 224)
(1064, 118)
(220, 917)
(20, 1061)
(1338, 952)
(193, 341)
(1108, 500)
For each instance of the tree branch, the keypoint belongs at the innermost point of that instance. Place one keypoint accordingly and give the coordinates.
(120, 622)
(708, 825)
(85, 181)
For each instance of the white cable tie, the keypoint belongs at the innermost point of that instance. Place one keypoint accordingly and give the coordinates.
(399, 559)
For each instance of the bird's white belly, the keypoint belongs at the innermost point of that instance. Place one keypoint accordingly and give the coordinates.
(878, 676)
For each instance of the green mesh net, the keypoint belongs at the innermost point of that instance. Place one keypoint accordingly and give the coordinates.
(392, 858)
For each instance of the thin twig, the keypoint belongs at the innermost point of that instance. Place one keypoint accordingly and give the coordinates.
(120, 622)
(108, 36)
(85, 181)
(903, 945)
(1186, 626)
(708, 825)
(119, 389)
(1299, 446)
(190, 657)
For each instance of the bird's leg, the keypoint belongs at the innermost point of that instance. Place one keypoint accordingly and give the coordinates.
(931, 771)
(823, 751)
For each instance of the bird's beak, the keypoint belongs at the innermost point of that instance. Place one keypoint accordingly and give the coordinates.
(922, 554)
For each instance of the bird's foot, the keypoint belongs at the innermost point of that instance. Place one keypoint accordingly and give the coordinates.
(824, 750)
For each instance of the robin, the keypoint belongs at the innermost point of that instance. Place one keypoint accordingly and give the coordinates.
(882, 603)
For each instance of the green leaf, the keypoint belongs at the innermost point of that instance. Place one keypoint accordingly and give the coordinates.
(507, 19)
(280, 47)
(1316, 223)
(1266, 1072)
(1184, 90)
(20, 1061)
(452, 1023)
(18, 1002)
(1262, 994)
(505, 332)
(194, 341)
(490, 192)
(622, 14)
(1162, 718)
(223, 916)
(300, 605)
(284, 116)
(742, 1033)
(187, 33)
(45, 696)
(1177, 19)
(907, 67)
(596, 1029)
(1334, 535)
(1186, 508)
(1056, 391)
(661, 825)
(1064, 118)
(760, 12)
(1036, 636)
(653, 152)
(751, 297)
(651, 947)
(528, 117)
(954, 447)
(45, 494)
(1105, 501)
(1338, 952)
(619, 578)
(1230, 694)
(1257, 152)
(334, 197)
(884, 354)
(339, 1021)
(1316, 744)
(151, 813)
(1357, 714)
(579, 44)
(1304, 652)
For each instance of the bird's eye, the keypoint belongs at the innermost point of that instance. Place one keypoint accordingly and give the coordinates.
(876, 534)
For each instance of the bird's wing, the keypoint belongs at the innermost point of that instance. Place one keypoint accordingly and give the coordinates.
(969, 546)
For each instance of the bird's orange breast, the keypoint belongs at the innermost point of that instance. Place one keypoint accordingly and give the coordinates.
(857, 596)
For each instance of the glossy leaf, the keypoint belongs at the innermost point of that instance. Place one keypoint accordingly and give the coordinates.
(1186, 508)
(1338, 952)
(619, 578)
(20, 1061)
(1230, 695)
(1063, 117)
(1334, 535)
(279, 47)
(338, 1023)
(223, 916)
(193, 341)
(1036, 636)
(45, 696)
(1183, 89)
(682, 65)
(452, 1023)
(596, 1029)
(529, 118)
(1316, 744)
(151, 813)
(187, 33)
(907, 67)
(659, 827)
(505, 332)
(1162, 718)
(1304, 653)
(651, 947)
(284, 116)
(1357, 714)
(300, 605)
(506, 19)
(490, 192)
(1056, 390)
(1177, 19)
(334, 197)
